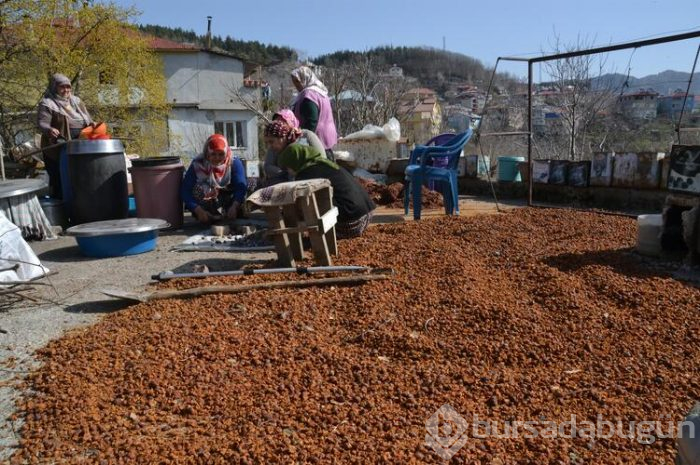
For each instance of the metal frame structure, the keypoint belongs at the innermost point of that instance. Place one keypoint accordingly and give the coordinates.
(577, 53)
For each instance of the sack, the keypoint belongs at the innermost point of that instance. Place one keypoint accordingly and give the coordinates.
(392, 130)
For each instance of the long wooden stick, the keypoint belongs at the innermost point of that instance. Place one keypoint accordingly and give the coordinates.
(199, 291)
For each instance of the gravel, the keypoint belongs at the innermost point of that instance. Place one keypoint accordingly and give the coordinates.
(531, 315)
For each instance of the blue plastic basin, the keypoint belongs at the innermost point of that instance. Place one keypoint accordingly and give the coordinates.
(117, 245)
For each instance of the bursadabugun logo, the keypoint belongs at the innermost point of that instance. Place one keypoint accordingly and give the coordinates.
(447, 432)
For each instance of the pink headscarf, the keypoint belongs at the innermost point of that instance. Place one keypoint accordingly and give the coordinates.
(288, 116)
(279, 128)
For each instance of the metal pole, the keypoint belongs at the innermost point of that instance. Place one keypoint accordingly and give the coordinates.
(167, 275)
(612, 48)
(529, 130)
(2, 159)
(685, 97)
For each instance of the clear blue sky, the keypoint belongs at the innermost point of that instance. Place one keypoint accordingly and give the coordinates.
(484, 30)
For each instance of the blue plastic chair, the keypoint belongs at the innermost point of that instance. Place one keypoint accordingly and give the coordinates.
(419, 171)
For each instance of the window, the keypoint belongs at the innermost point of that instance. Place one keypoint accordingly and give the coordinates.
(233, 131)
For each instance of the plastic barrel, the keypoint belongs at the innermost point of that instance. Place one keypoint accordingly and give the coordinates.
(508, 169)
(157, 189)
(649, 228)
(96, 171)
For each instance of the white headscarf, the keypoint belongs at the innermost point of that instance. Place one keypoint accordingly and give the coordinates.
(308, 80)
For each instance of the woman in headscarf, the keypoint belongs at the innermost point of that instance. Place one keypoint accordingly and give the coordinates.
(60, 115)
(305, 162)
(273, 174)
(215, 183)
(312, 107)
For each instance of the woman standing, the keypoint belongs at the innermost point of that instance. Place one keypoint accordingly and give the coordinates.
(312, 108)
(215, 180)
(60, 115)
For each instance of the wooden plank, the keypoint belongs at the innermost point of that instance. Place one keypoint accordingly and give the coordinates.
(318, 240)
(291, 219)
(298, 229)
(328, 220)
(281, 241)
(324, 198)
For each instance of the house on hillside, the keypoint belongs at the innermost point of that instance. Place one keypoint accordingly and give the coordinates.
(205, 88)
(670, 105)
(639, 105)
(420, 114)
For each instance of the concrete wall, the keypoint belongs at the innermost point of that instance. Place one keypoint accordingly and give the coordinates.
(201, 77)
(607, 198)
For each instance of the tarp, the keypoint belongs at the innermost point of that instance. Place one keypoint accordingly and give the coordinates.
(18, 262)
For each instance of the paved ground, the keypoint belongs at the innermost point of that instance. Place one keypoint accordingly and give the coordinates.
(71, 297)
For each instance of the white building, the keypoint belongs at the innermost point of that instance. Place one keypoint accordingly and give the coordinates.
(201, 87)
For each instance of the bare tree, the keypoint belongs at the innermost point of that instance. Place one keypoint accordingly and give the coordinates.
(251, 99)
(577, 102)
(364, 93)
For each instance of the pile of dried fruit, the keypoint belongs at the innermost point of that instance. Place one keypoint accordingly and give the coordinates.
(392, 195)
(534, 315)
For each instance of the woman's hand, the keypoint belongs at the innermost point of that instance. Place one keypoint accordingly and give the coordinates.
(54, 133)
(232, 212)
(202, 215)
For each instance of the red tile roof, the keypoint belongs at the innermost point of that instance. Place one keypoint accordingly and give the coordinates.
(158, 43)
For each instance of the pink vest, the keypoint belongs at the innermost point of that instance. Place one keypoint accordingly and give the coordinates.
(325, 130)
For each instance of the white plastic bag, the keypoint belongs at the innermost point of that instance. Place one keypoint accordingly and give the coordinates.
(15, 251)
(392, 130)
(368, 132)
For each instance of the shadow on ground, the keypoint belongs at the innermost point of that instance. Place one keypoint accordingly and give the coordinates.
(628, 262)
(98, 306)
(70, 254)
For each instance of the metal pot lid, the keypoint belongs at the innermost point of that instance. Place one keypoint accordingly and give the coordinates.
(14, 187)
(113, 227)
(95, 147)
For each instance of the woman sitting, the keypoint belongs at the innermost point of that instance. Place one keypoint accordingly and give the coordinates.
(273, 173)
(215, 180)
(305, 162)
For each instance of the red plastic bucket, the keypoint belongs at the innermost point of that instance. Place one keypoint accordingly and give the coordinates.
(157, 191)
